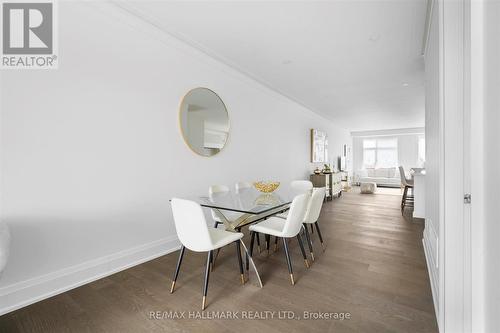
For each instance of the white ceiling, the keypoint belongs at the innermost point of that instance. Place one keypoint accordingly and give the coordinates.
(357, 63)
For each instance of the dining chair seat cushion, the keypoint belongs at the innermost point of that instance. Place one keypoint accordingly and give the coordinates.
(272, 226)
(222, 238)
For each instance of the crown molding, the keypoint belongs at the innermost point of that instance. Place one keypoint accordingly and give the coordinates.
(389, 132)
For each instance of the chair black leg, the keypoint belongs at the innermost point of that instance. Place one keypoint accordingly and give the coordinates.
(212, 261)
(276, 244)
(205, 285)
(319, 235)
(258, 242)
(240, 262)
(312, 229)
(309, 243)
(252, 241)
(403, 199)
(268, 240)
(178, 268)
(306, 262)
(214, 257)
(288, 260)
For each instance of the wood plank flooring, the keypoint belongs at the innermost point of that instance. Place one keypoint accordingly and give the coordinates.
(373, 268)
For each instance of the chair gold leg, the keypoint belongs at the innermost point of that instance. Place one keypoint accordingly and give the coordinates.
(242, 278)
(306, 262)
(172, 287)
(291, 279)
(312, 256)
(207, 274)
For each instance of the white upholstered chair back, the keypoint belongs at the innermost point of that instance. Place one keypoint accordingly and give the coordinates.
(296, 215)
(191, 225)
(242, 185)
(403, 176)
(301, 186)
(315, 204)
(217, 189)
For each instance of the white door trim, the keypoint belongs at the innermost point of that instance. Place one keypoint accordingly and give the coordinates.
(461, 273)
(452, 225)
(476, 292)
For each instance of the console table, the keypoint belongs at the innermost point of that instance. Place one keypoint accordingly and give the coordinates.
(331, 181)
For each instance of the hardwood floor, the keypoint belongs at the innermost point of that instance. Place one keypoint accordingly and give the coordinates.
(373, 268)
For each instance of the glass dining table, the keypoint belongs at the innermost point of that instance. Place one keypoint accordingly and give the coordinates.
(244, 207)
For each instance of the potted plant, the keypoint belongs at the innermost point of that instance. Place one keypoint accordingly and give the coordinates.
(327, 169)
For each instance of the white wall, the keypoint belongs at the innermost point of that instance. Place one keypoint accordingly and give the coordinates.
(433, 143)
(92, 152)
(407, 145)
(492, 163)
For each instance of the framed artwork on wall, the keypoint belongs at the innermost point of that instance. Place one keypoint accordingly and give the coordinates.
(319, 146)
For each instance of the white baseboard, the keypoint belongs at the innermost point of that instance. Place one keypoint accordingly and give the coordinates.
(24, 293)
(432, 277)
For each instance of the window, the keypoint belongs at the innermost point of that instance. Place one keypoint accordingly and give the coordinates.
(421, 151)
(380, 153)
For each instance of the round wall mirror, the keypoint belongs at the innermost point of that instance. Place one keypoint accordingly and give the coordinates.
(204, 121)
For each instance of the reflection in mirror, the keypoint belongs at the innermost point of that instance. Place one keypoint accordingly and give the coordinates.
(204, 121)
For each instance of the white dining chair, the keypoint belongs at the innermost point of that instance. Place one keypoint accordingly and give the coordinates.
(296, 187)
(406, 200)
(291, 228)
(239, 186)
(301, 186)
(242, 185)
(312, 216)
(215, 190)
(195, 235)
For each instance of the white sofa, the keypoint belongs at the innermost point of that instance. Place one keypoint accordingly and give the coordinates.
(381, 176)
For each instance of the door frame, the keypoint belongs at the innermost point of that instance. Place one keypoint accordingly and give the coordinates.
(461, 276)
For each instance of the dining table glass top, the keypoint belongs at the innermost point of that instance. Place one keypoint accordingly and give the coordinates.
(248, 200)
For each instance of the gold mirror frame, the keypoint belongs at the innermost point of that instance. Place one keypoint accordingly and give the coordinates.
(181, 129)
